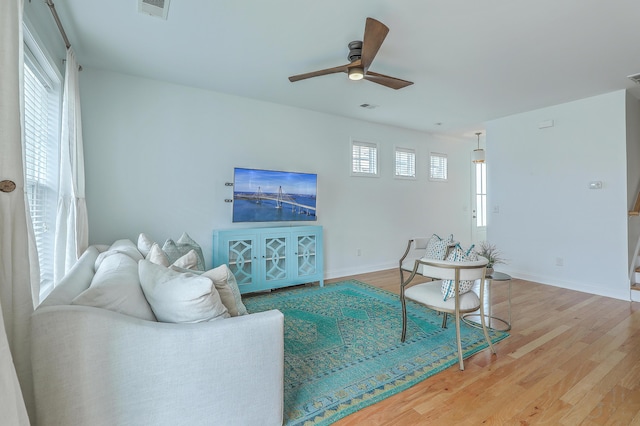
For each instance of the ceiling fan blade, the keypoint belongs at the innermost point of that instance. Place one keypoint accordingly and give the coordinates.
(341, 68)
(385, 80)
(374, 34)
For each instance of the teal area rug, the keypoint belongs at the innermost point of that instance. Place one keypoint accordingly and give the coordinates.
(343, 351)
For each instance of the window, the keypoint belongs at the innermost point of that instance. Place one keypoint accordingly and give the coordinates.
(41, 124)
(481, 194)
(438, 167)
(405, 163)
(364, 159)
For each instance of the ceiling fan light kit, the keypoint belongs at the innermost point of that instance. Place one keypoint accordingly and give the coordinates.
(361, 55)
(356, 73)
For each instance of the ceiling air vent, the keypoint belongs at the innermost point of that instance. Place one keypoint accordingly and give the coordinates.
(158, 8)
(635, 78)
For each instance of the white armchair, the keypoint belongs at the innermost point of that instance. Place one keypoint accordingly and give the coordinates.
(430, 293)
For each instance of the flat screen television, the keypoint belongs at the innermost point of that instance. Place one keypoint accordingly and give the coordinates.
(269, 195)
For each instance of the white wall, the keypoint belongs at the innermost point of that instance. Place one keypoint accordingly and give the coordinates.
(157, 156)
(539, 178)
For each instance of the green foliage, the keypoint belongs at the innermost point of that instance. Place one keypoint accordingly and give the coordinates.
(491, 252)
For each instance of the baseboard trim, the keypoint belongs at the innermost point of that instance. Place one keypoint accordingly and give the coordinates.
(620, 293)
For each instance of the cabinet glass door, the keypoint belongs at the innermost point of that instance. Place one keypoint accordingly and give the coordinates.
(306, 255)
(275, 258)
(241, 253)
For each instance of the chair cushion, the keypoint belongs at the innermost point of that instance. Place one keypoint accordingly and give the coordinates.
(430, 294)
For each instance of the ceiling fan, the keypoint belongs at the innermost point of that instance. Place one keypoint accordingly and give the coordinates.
(361, 55)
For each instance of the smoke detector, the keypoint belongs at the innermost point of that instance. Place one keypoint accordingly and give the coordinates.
(158, 8)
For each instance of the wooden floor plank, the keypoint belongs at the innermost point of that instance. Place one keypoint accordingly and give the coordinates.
(572, 358)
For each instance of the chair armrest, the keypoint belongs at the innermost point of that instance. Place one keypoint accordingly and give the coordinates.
(406, 252)
(93, 366)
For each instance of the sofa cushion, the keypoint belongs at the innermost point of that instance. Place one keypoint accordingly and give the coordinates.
(75, 281)
(227, 287)
(116, 287)
(180, 297)
(121, 246)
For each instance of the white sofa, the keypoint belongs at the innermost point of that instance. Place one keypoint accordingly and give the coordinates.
(93, 366)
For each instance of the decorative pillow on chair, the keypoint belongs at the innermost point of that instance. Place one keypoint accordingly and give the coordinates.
(458, 255)
(437, 247)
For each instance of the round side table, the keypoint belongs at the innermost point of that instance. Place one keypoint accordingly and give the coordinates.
(473, 319)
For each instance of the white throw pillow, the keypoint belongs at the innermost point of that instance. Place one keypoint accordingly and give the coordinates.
(157, 256)
(227, 287)
(116, 287)
(188, 261)
(180, 297)
(144, 244)
(121, 246)
(176, 249)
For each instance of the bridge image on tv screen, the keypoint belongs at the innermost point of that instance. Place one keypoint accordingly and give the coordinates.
(269, 195)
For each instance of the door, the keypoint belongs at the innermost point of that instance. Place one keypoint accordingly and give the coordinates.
(242, 255)
(274, 258)
(479, 202)
(306, 257)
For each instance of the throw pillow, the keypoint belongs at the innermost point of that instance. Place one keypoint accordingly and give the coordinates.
(458, 254)
(180, 297)
(116, 287)
(187, 262)
(226, 284)
(437, 247)
(121, 246)
(184, 245)
(157, 256)
(144, 244)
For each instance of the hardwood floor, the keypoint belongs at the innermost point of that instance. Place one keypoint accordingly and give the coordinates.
(572, 359)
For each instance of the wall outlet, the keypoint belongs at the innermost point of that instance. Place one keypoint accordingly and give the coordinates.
(559, 261)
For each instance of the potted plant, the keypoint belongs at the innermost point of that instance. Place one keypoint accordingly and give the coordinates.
(492, 254)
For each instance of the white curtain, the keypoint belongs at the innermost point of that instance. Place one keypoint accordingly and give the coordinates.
(16, 303)
(71, 238)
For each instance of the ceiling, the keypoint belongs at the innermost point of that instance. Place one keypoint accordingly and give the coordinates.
(471, 61)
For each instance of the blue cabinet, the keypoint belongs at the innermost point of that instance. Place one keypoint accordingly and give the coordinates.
(267, 258)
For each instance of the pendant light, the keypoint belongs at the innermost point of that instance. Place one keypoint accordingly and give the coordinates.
(478, 154)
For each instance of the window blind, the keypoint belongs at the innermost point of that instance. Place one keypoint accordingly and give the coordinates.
(41, 111)
(364, 158)
(405, 162)
(438, 166)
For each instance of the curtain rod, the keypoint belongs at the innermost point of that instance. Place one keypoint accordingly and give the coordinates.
(52, 7)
